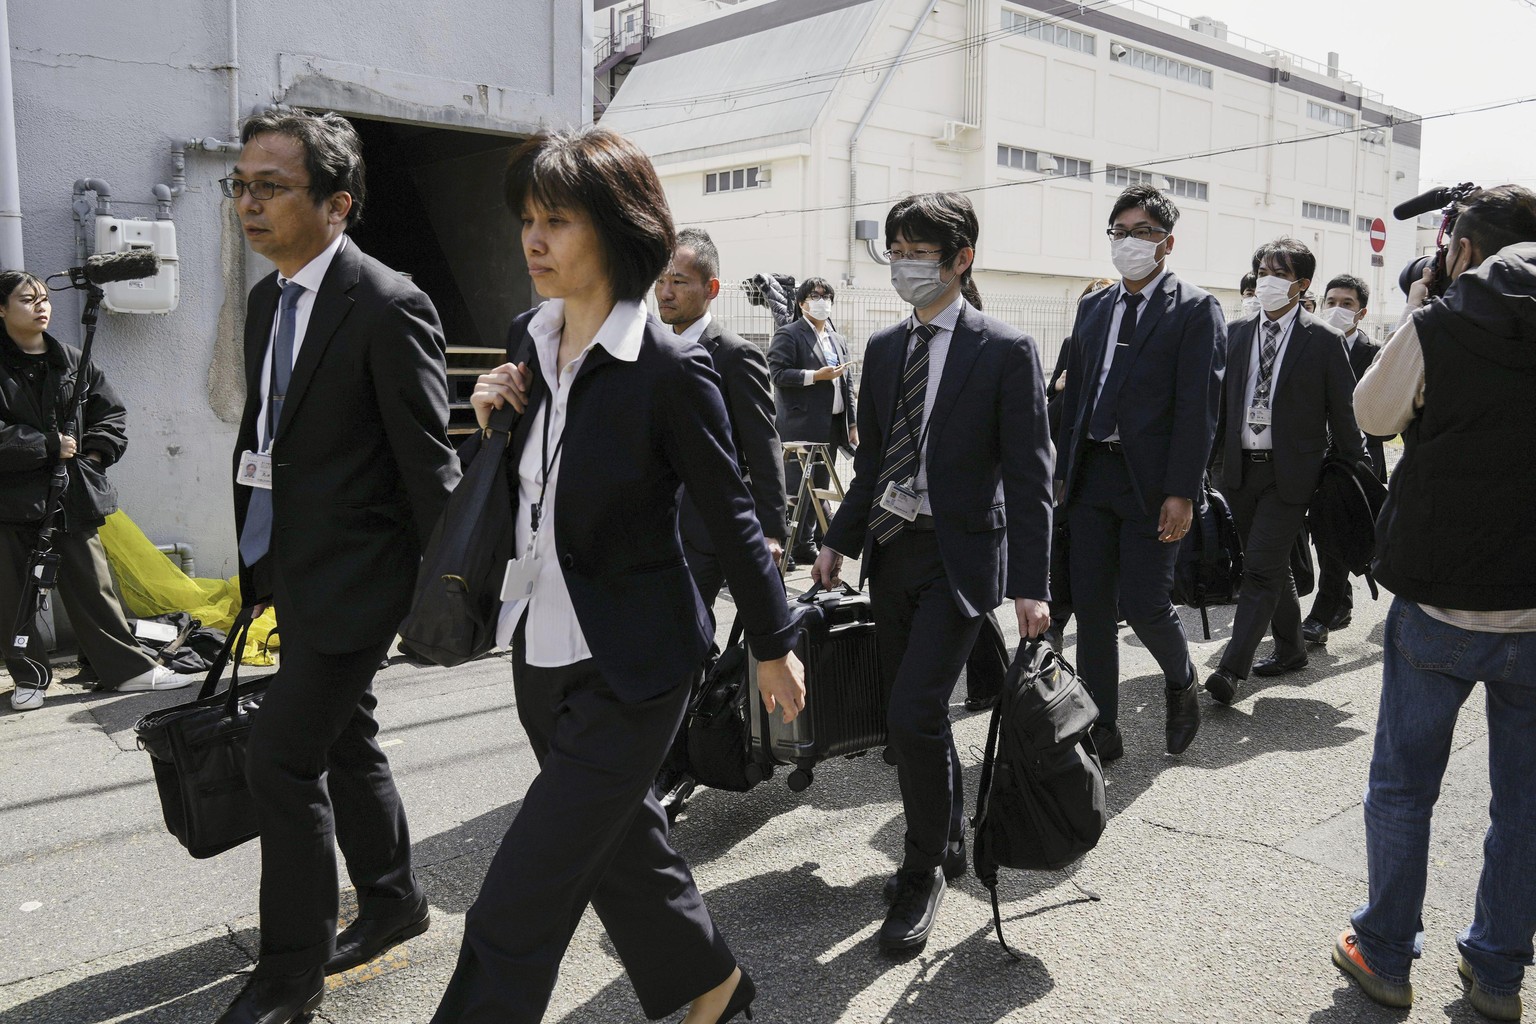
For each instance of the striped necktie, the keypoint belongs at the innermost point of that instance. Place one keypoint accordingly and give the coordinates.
(1261, 395)
(901, 450)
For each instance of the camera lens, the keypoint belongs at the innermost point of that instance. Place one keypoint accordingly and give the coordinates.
(1413, 271)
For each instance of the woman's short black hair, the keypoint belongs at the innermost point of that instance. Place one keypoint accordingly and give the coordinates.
(333, 152)
(10, 280)
(945, 219)
(811, 285)
(600, 172)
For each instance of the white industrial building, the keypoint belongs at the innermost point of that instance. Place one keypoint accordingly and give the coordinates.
(780, 125)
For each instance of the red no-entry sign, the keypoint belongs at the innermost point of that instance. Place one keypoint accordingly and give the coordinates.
(1378, 235)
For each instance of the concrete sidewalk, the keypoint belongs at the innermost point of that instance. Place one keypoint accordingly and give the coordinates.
(1225, 874)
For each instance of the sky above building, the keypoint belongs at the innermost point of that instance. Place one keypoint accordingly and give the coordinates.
(1427, 57)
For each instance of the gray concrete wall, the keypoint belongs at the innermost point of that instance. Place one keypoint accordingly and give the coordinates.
(104, 88)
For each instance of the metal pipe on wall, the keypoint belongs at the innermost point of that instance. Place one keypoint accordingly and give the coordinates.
(234, 69)
(11, 252)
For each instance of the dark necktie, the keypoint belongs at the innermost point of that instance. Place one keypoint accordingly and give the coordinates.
(1105, 422)
(1261, 390)
(256, 534)
(901, 449)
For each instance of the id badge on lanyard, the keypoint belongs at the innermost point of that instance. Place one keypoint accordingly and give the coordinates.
(522, 575)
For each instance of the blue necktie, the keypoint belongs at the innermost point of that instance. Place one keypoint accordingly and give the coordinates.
(256, 536)
(1104, 421)
(901, 455)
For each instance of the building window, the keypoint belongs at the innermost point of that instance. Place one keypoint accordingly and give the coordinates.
(1331, 214)
(1330, 115)
(1053, 164)
(1187, 189)
(1123, 177)
(1048, 32)
(737, 178)
(1168, 67)
(1363, 225)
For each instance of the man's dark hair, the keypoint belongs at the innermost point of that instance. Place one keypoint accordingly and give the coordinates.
(600, 172)
(706, 258)
(1248, 283)
(10, 280)
(945, 219)
(333, 152)
(1497, 217)
(1361, 290)
(1289, 255)
(1154, 201)
(811, 285)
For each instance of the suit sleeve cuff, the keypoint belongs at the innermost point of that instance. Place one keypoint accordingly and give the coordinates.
(773, 646)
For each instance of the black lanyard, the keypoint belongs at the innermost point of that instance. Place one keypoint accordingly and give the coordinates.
(546, 466)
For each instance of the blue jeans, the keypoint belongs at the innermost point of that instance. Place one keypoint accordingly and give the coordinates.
(1430, 670)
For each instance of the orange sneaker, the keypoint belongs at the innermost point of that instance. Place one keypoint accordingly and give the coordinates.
(1346, 954)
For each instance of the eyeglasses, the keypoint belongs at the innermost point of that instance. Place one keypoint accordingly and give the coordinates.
(260, 190)
(914, 254)
(1144, 233)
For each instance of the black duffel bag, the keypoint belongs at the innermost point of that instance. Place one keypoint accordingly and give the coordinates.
(198, 754)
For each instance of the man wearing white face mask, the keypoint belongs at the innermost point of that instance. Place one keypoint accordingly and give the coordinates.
(949, 512)
(1138, 416)
(1288, 389)
(1250, 301)
(813, 394)
(1344, 307)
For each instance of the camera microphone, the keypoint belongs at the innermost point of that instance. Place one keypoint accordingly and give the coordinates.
(106, 267)
(1432, 200)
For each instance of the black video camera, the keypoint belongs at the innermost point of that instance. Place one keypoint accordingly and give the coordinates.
(1446, 198)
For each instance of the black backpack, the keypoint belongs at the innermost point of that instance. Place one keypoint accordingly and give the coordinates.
(1210, 562)
(1040, 805)
(1342, 514)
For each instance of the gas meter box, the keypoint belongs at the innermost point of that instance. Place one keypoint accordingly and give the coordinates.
(158, 294)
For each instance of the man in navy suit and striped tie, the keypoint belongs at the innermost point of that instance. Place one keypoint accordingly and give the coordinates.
(949, 512)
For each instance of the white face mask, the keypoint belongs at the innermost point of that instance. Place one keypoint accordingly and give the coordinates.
(821, 309)
(920, 283)
(1273, 293)
(1251, 305)
(1135, 258)
(1340, 317)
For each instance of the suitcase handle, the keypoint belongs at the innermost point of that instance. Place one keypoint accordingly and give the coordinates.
(810, 595)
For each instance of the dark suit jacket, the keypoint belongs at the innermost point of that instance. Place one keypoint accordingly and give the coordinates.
(362, 467)
(988, 460)
(1313, 398)
(634, 433)
(1360, 359)
(805, 413)
(1167, 403)
(749, 406)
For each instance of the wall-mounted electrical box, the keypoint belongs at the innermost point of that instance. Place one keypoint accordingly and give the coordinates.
(158, 294)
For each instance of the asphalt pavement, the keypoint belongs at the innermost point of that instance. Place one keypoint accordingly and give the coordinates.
(1223, 877)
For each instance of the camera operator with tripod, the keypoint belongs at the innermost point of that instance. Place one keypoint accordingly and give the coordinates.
(1455, 545)
(39, 439)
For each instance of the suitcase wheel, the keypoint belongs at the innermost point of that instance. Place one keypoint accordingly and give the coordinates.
(799, 779)
(756, 773)
(888, 755)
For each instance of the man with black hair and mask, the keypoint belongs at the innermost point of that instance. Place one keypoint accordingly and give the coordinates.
(949, 512)
(1455, 545)
(1138, 416)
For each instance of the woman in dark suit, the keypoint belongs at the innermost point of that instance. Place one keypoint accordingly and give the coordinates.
(617, 413)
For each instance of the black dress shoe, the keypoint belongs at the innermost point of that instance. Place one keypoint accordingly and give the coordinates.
(919, 891)
(954, 867)
(1222, 686)
(1275, 667)
(368, 937)
(277, 999)
(1107, 741)
(1183, 718)
(804, 554)
(741, 1000)
(1314, 631)
(980, 703)
(1340, 620)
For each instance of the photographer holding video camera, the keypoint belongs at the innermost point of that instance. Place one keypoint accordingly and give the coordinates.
(1455, 545)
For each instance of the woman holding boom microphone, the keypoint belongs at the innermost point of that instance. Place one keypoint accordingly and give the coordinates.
(617, 413)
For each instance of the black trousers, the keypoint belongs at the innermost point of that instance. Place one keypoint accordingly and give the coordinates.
(924, 641)
(320, 780)
(1335, 596)
(1268, 527)
(1119, 567)
(589, 831)
(820, 477)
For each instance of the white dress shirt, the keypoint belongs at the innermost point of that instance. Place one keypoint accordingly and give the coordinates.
(554, 636)
(1264, 440)
(309, 277)
(831, 356)
(1115, 319)
(695, 330)
(938, 350)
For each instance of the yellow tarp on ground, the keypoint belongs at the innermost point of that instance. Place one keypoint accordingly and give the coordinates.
(154, 585)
